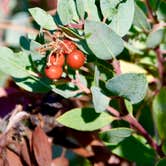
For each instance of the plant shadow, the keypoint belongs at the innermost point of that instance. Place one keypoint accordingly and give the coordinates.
(89, 115)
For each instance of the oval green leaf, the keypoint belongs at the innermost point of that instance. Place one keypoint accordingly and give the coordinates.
(104, 42)
(131, 86)
(134, 150)
(155, 38)
(80, 8)
(15, 66)
(162, 162)
(91, 9)
(140, 20)
(123, 19)
(33, 84)
(85, 119)
(65, 12)
(129, 106)
(100, 101)
(44, 19)
(159, 112)
(108, 7)
(116, 135)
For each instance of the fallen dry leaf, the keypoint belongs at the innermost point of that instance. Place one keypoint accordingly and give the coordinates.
(25, 153)
(60, 161)
(13, 159)
(41, 147)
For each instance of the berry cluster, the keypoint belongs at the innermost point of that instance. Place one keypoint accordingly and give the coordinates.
(68, 52)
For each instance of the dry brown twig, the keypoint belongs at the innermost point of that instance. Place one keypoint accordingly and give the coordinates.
(17, 115)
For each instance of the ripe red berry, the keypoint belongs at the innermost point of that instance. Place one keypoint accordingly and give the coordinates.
(57, 60)
(67, 46)
(76, 59)
(53, 72)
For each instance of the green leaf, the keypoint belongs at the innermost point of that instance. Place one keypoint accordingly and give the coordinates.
(161, 14)
(116, 135)
(80, 8)
(164, 147)
(132, 48)
(162, 162)
(85, 119)
(91, 10)
(155, 38)
(65, 12)
(71, 33)
(131, 86)
(135, 151)
(67, 89)
(105, 69)
(96, 76)
(74, 10)
(122, 20)
(33, 84)
(140, 20)
(146, 118)
(129, 106)
(159, 112)
(35, 54)
(104, 42)
(25, 43)
(44, 19)
(108, 7)
(100, 101)
(65, 93)
(15, 65)
(64, 90)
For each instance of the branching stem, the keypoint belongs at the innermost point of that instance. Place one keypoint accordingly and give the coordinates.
(139, 128)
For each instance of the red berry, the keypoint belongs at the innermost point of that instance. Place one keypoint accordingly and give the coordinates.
(53, 72)
(76, 59)
(67, 46)
(57, 60)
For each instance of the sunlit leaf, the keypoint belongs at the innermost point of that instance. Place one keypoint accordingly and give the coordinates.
(115, 135)
(65, 12)
(44, 19)
(100, 100)
(122, 20)
(104, 42)
(131, 86)
(85, 119)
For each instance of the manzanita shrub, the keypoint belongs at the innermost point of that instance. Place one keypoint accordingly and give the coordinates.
(108, 57)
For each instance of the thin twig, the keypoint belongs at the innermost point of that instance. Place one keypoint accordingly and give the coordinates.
(158, 26)
(17, 115)
(113, 111)
(116, 65)
(15, 27)
(78, 83)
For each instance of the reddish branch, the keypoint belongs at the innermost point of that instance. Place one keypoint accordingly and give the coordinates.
(116, 66)
(160, 61)
(151, 15)
(139, 128)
